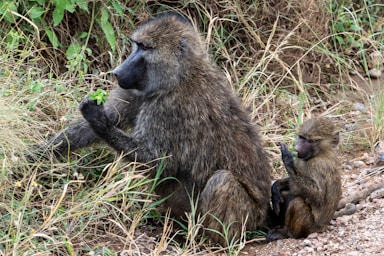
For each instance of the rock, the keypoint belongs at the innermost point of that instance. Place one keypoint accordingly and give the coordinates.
(379, 153)
(374, 73)
(359, 106)
(306, 242)
(358, 164)
(353, 253)
(377, 194)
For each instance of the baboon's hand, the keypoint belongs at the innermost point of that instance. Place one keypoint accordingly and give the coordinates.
(287, 157)
(277, 199)
(93, 113)
(274, 234)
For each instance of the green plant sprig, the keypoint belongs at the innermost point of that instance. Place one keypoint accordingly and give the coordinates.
(100, 96)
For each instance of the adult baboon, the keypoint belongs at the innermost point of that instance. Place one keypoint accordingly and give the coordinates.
(179, 105)
(306, 201)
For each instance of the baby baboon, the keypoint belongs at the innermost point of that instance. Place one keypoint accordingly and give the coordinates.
(179, 105)
(306, 201)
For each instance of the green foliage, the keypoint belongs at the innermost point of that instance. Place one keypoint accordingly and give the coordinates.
(77, 58)
(355, 22)
(106, 26)
(100, 96)
(47, 20)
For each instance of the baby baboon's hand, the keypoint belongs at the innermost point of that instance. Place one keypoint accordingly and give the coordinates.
(287, 157)
(277, 199)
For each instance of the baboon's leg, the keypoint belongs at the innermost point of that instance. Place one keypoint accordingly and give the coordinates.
(299, 219)
(226, 199)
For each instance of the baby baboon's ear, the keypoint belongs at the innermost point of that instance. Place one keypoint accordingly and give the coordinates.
(336, 139)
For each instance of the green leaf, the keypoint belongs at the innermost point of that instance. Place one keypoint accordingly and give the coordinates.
(58, 12)
(73, 50)
(340, 40)
(83, 35)
(83, 4)
(70, 7)
(107, 28)
(52, 38)
(354, 28)
(37, 86)
(36, 12)
(100, 96)
(12, 39)
(5, 8)
(118, 8)
(339, 27)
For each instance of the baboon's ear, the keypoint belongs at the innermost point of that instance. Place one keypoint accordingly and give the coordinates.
(336, 139)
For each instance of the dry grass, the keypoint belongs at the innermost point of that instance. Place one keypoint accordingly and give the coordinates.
(278, 56)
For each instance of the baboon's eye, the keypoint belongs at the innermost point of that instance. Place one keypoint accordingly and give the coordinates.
(143, 46)
(313, 141)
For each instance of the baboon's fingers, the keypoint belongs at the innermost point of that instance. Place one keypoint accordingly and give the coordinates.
(276, 205)
(92, 112)
(287, 157)
(277, 199)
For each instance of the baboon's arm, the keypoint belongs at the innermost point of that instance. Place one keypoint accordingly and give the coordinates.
(105, 129)
(121, 109)
(276, 189)
(77, 135)
(288, 160)
(306, 185)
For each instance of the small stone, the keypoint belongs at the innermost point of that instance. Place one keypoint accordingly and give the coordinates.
(374, 73)
(309, 249)
(370, 160)
(359, 106)
(377, 194)
(306, 242)
(358, 164)
(379, 152)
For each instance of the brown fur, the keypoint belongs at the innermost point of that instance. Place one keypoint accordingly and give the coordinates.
(186, 110)
(313, 185)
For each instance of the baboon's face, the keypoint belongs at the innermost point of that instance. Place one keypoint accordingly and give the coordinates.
(305, 148)
(132, 73)
(163, 51)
